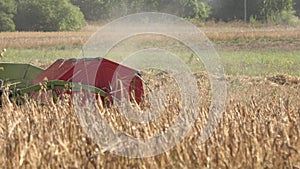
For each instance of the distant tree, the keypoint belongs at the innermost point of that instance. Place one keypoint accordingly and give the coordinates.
(184, 8)
(48, 15)
(297, 7)
(273, 9)
(150, 5)
(228, 10)
(7, 12)
(108, 9)
(263, 10)
(93, 10)
(119, 8)
(203, 10)
(6, 23)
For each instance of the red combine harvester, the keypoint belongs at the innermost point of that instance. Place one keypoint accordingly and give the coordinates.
(98, 76)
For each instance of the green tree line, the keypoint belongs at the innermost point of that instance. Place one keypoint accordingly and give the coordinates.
(70, 15)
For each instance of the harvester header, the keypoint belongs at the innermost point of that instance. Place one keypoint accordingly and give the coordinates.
(95, 75)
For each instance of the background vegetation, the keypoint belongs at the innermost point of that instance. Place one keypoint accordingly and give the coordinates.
(7, 11)
(70, 15)
(45, 15)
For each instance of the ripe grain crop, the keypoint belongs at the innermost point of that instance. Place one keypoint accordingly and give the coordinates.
(252, 33)
(42, 39)
(259, 129)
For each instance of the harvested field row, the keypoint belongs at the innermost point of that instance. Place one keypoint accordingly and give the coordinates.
(253, 37)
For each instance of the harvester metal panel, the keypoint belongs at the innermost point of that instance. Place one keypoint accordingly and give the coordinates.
(19, 73)
(104, 74)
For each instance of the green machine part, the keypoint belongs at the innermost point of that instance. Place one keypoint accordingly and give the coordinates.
(19, 74)
(59, 85)
(19, 78)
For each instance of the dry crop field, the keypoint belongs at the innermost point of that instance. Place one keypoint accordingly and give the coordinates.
(234, 37)
(260, 127)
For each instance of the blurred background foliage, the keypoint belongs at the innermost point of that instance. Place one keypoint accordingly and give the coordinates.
(71, 15)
